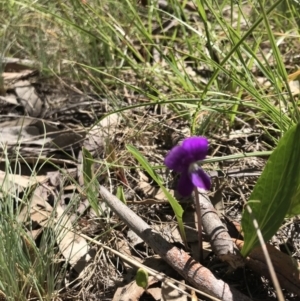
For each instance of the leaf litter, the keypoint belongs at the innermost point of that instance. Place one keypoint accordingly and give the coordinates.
(29, 130)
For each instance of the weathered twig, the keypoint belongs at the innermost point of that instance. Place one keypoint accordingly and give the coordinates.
(220, 240)
(192, 271)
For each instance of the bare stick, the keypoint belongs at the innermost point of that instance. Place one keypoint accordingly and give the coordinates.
(220, 240)
(192, 271)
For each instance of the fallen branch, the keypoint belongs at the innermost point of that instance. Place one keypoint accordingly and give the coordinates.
(192, 271)
(220, 240)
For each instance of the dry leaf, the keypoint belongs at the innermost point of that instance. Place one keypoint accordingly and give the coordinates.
(18, 65)
(153, 192)
(28, 132)
(155, 292)
(28, 98)
(172, 294)
(2, 296)
(67, 140)
(34, 234)
(38, 209)
(295, 87)
(142, 177)
(73, 247)
(294, 82)
(11, 77)
(294, 76)
(110, 121)
(23, 135)
(11, 183)
(17, 135)
(10, 98)
(131, 291)
(194, 296)
(286, 267)
(55, 178)
(95, 142)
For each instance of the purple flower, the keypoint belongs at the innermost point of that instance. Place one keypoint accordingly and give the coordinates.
(183, 159)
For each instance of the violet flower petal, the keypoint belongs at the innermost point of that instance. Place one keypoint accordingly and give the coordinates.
(185, 186)
(176, 159)
(200, 179)
(196, 148)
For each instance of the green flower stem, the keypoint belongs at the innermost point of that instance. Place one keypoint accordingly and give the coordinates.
(199, 221)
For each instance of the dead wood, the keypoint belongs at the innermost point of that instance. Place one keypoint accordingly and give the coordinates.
(220, 240)
(286, 268)
(185, 265)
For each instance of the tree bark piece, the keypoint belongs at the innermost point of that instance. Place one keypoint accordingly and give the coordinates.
(221, 242)
(185, 265)
(286, 268)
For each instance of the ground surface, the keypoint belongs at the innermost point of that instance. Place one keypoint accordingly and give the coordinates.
(46, 121)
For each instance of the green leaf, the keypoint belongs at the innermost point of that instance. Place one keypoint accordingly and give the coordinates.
(141, 278)
(295, 203)
(201, 11)
(120, 195)
(173, 202)
(90, 181)
(276, 193)
(145, 164)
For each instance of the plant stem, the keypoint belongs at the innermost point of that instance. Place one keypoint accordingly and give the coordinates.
(199, 221)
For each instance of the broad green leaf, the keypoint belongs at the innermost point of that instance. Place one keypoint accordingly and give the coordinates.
(295, 204)
(90, 181)
(173, 202)
(276, 192)
(141, 278)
